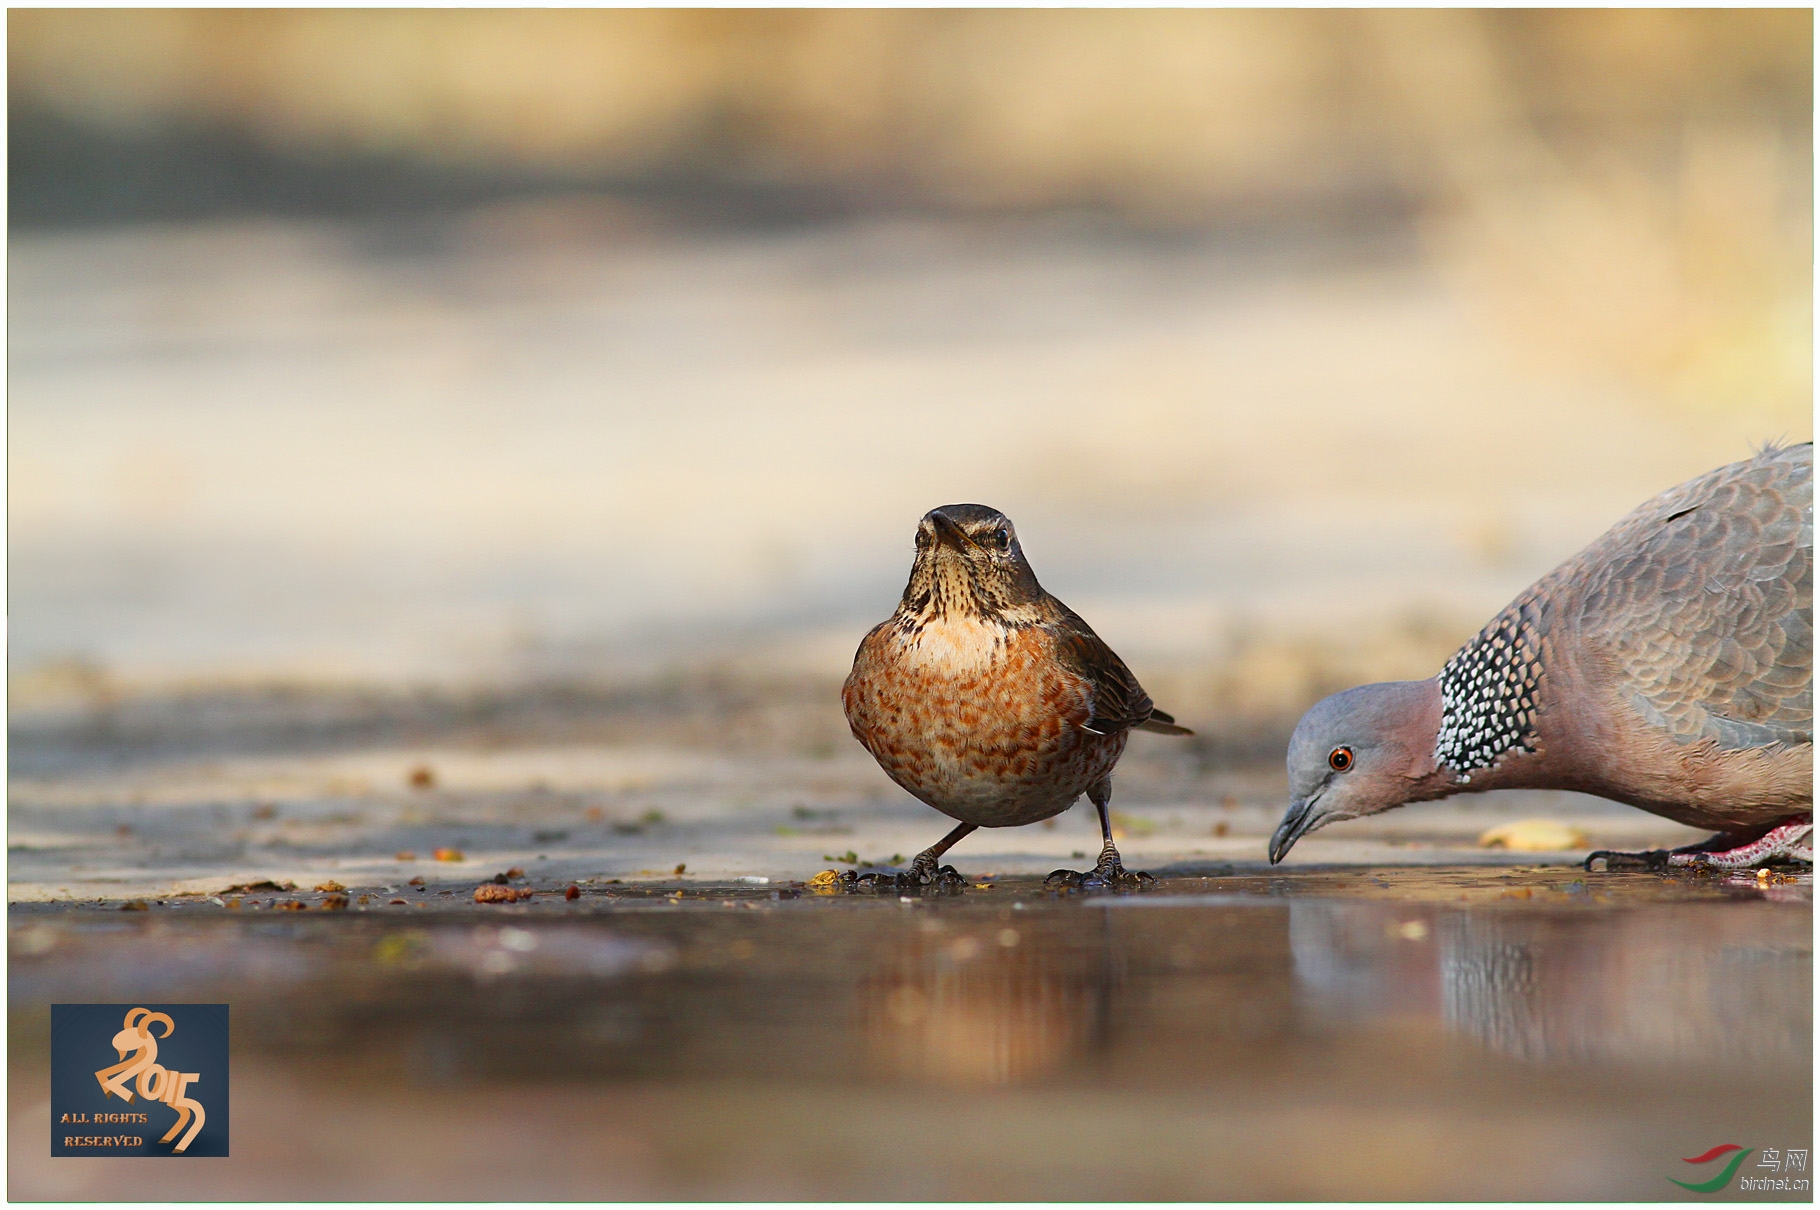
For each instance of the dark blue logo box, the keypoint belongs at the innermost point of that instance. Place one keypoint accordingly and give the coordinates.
(171, 1058)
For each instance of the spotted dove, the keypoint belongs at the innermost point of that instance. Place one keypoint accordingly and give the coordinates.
(1669, 665)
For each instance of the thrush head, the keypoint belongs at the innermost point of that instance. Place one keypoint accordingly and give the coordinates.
(968, 562)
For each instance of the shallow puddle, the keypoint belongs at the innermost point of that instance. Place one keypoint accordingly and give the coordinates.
(1323, 1034)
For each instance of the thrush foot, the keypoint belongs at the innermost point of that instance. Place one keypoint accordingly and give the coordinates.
(1106, 876)
(888, 879)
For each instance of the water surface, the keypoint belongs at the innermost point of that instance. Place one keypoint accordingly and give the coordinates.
(1362, 1033)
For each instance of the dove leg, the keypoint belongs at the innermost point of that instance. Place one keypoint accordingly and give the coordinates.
(1792, 841)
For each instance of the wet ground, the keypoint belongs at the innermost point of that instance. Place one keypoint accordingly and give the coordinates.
(150, 798)
(1343, 1033)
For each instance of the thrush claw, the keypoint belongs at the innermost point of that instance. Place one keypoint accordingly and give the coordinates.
(947, 876)
(887, 879)
(1100, 878)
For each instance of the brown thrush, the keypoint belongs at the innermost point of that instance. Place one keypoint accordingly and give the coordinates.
(989, 699)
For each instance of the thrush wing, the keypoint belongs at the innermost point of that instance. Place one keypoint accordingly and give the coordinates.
(1119, 702)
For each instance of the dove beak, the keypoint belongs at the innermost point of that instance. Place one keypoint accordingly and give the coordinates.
(1298, 821)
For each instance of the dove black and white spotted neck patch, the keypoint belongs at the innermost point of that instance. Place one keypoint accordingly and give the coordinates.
(1488, 694)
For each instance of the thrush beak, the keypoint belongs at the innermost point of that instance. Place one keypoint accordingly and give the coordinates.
(948, 531)
(1298, 821)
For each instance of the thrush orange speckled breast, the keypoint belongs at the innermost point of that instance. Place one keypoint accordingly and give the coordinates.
(989, 699)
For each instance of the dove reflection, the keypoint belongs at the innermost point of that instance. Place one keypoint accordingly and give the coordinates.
(1600, 986)
(987, 1005)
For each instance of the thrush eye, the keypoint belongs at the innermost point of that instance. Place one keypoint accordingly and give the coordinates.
(1340, 760)
(922, 538)
(1000, 538)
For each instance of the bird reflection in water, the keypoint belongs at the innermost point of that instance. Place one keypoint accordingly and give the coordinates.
(1638, 988)
(1612, 987)
(988, 1005)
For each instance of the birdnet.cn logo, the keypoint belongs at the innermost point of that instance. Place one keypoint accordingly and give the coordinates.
(139, 1080)
(1779, 1163)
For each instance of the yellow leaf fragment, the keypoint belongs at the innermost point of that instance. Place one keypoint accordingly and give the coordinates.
(1534, 836)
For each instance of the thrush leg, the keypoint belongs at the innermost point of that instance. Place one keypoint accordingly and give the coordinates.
(923, 870)
(1109, 871)
(1788, 842)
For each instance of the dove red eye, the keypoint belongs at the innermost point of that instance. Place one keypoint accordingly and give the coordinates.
(1340, 760)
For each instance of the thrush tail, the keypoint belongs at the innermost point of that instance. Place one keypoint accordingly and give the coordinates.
(1162, 724)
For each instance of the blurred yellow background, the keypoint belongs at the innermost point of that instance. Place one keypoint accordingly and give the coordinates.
(459, 345)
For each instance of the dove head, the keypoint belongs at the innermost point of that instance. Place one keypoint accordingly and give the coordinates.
(1358, 753)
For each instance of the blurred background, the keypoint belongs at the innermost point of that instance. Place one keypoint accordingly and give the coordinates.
(480, 352)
